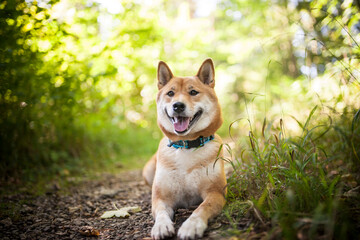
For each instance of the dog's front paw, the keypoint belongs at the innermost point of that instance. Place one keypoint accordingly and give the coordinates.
(162, 228)
(193, 227)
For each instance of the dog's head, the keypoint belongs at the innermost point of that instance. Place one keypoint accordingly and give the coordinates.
(187, 107)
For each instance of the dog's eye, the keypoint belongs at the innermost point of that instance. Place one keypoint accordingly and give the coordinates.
(193, 93)
(170, 94)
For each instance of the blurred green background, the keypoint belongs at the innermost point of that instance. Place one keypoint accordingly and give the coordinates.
(78, 78)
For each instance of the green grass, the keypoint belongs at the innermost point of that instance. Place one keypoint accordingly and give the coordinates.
(90, 148)
(96, 147)
(298, 186)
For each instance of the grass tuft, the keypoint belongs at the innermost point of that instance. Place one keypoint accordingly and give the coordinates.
(298, 186)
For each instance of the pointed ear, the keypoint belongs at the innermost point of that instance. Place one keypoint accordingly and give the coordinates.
(206, 73)
(164, 74)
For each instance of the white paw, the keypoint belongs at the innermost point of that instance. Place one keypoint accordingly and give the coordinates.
(162, 228)
(193, 227)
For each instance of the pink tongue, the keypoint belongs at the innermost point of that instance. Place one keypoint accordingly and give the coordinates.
(181, 123)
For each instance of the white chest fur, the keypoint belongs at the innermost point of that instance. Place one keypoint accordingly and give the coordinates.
(186, 173)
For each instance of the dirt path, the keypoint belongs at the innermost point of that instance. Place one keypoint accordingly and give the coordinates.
(71, 216)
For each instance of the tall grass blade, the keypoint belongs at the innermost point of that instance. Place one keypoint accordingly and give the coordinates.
(341, 25)
(251, 136)
(355, 120)
(308, 135)
(348, 70)
(328, 129)
(354, 150)
(282, 127)
(220, 150)
(298, 122)
(232, 123)
(276, 138)
(309, 117)
(263, 128)
(292, 155)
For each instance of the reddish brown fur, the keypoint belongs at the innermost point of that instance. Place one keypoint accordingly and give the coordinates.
(178, 167)
(185, 84)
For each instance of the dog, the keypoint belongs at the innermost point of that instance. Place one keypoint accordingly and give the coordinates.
(186, 170)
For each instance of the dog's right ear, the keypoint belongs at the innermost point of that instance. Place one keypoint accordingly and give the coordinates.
(164, 74)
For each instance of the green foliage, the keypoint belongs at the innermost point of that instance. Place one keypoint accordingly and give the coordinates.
(77, 91)
(58, 75)
(299, 177)
(300, 183)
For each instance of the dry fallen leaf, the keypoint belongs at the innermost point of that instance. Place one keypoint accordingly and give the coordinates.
(89, 231)
(353, 192)
(122, 212)
(74, 209)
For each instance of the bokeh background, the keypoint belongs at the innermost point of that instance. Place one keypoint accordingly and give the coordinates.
(78, 77)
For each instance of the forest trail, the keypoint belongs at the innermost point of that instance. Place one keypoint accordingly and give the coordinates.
(75, 212)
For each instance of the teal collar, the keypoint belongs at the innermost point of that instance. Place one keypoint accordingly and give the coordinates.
(187, 144)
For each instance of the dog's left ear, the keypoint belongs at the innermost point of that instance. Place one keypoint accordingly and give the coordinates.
(206, 73)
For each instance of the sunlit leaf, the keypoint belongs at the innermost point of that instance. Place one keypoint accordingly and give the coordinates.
(122, 212)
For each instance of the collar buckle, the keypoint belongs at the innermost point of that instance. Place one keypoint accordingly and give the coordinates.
(201, 139)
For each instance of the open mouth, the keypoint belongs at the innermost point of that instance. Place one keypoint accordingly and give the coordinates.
(183, 124)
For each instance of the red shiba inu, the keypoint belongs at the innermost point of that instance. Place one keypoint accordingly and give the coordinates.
(185, 171)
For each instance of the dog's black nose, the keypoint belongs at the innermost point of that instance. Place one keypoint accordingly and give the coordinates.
(178, 107)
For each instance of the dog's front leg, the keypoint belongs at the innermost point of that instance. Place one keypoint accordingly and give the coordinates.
(196, 224)
(163, 213)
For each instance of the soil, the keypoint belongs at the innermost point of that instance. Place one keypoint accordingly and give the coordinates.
(75, 213)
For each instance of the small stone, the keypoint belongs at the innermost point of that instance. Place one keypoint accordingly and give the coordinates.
(6, 222)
